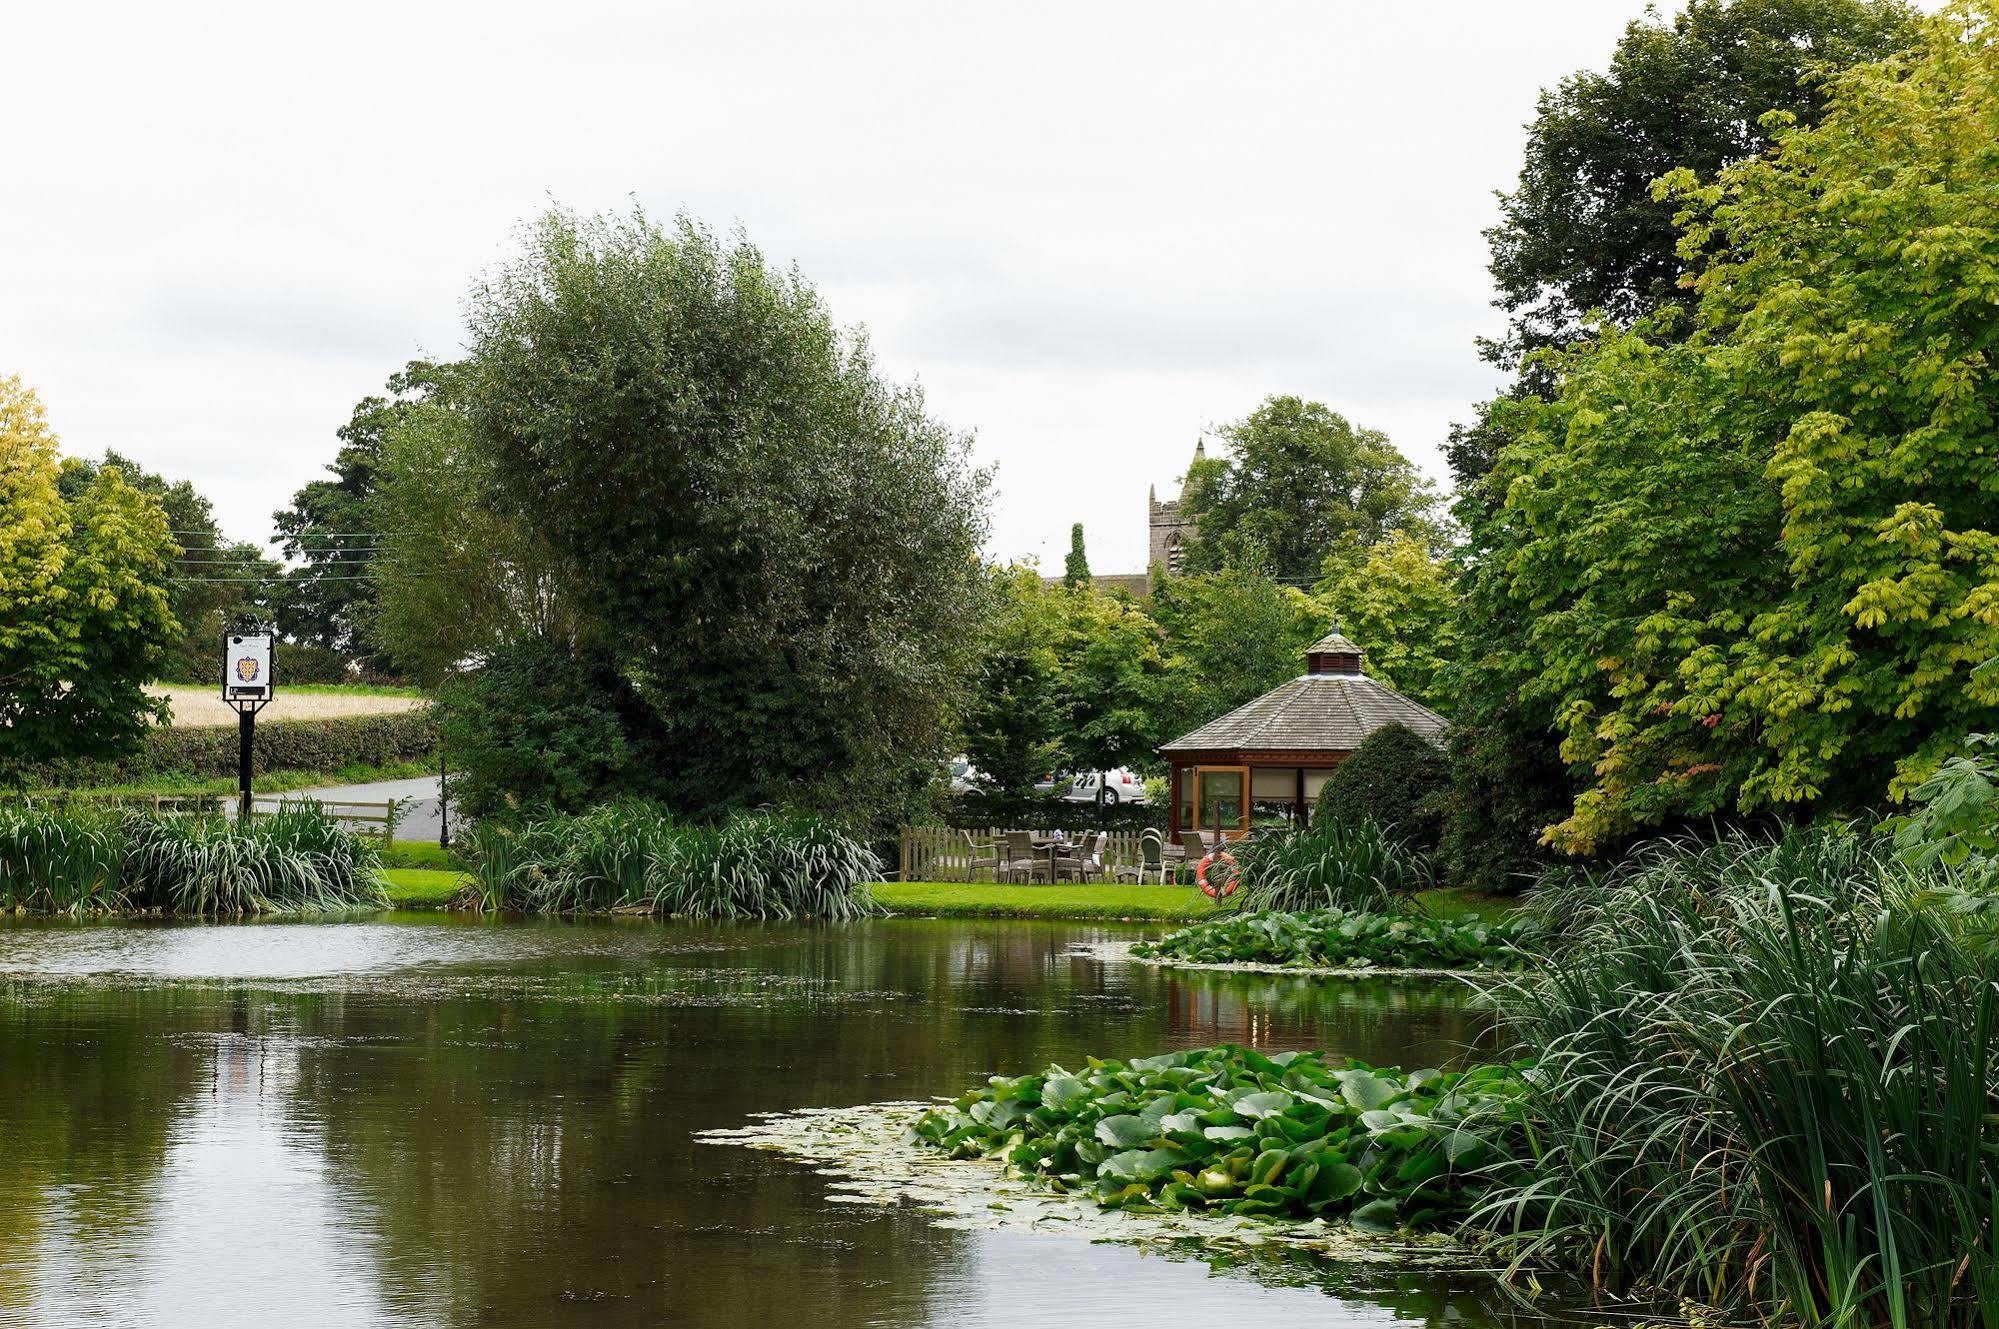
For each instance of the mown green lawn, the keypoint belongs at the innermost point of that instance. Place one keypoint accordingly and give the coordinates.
(422, 888)
(957, 899)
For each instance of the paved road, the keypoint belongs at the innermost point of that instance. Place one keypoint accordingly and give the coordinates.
(420, 814)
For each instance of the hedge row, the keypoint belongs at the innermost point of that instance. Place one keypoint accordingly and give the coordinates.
(976, 812)
(281, 745)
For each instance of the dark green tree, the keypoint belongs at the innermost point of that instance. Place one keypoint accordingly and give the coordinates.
(1397, 779)
(1076, 568)
(1302, 484)
(333, 533)
(1015, 716)
(775, 544)
(1582, 232)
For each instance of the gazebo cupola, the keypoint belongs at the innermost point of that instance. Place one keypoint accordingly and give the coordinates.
(1333, 654)
(1272, 754)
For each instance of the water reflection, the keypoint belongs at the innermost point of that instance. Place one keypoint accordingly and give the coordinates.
(451, 1123)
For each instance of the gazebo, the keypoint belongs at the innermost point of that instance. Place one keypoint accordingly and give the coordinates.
(1272, 754)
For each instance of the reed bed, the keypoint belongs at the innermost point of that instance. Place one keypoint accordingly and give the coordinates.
(1765, 1081)
(1334, 864)
(78, 860)
(637, 857)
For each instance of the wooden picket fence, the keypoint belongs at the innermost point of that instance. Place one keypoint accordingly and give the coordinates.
(952, 853)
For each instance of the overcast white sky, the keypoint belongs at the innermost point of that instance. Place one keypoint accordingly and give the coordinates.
(1090, 230)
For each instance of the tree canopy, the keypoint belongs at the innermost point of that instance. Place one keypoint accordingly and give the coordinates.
(775, 544)
(215, 583)
(84, 615)
(1300, 483)
(1759, 566)
(1582, 231)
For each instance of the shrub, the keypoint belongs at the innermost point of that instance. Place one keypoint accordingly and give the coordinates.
(538, 728)
(636, 856)
(1332, 864)
(1343, 939)
(1765, 1082)
(978, 811)
(83, 861)
(281, 745)
(1395, 778)
(1230, 1130)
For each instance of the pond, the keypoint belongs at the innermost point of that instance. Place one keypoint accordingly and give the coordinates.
(426, 1120)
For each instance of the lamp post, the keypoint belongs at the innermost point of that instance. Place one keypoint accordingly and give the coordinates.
(248, 684)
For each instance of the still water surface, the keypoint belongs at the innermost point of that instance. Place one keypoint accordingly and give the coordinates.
(443, 1122)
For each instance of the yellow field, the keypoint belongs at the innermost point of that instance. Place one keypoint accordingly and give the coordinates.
(203, 708)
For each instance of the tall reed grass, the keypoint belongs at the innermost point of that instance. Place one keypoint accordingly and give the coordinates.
(1766, 1080)
(636, 856)
(1335, 863)
(79, 860)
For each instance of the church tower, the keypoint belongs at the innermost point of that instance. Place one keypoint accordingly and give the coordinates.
(1170, 532)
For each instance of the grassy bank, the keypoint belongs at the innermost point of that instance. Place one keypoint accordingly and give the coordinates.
(957, 899)
(423, 888)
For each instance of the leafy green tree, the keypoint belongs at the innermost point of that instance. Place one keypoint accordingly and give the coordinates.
(776, 545)
(1230, 636)
(540, 727)
(1076, 568)
(1301, 483)
(215, 582)
(1582, 231)
(455, 577)
(1759, 566)
(333, 531)
(1400, 602)
(1112, 673)
(84, 618)
(1015, 717)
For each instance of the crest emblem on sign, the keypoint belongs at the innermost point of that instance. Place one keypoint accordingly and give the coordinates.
(246, 669)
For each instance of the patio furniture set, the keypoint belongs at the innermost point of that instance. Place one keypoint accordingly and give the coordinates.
(1023, 856)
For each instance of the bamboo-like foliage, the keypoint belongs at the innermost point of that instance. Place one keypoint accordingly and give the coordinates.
(636, 856)
(1344, 864)
(1767, 1081)
(70, 863)
(79, 860)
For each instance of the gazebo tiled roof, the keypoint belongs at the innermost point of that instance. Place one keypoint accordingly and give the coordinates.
(1330, 709)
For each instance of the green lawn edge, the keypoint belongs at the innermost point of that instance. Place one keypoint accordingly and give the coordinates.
(435, 884)
(422, 888)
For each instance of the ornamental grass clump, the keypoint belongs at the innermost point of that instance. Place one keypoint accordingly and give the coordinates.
(1766, 1082)
(1229, 1130)
(69, 862)
(1333, 864)
(80, 860)
(636, 856)
(1348, 939)
(295, 860)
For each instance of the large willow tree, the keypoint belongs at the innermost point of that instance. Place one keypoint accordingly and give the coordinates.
(1759, 567)
(776, 546)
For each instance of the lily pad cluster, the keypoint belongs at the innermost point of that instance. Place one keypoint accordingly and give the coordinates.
(1348, 939)
(1230, 1130)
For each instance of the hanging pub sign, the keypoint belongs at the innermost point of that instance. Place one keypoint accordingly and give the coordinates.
(246, 667)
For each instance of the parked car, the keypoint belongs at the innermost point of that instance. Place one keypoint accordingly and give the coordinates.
(1120, 786)
(965, 777)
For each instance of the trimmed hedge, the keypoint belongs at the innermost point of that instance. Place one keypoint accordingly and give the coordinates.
(282, 745)
(979, 811)
(1398, 780)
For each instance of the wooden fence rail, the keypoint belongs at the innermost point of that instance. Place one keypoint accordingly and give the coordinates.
(372, 818)
(949, 853)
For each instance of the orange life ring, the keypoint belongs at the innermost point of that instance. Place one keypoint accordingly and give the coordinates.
(1201, 874)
